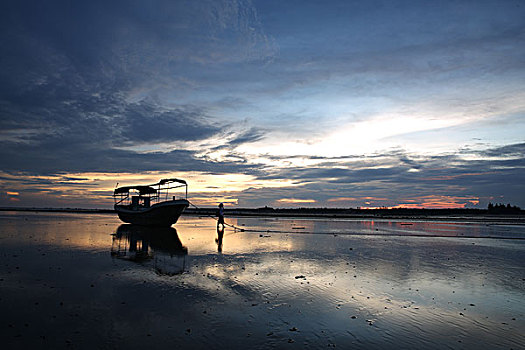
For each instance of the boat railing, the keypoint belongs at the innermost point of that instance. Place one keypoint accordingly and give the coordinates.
(145, 196)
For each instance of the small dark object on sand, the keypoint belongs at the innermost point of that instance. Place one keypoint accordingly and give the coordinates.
(300, 276)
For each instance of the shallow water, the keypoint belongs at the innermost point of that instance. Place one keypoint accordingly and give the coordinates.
(76, 280)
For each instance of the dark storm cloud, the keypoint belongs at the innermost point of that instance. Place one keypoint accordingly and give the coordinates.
(88, 132)
(87, 160)
(74, 75)
(144, 123)
(81, 133)
(517, 150)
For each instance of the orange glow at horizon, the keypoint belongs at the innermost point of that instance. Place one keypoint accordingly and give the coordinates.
(348, 199)
(438, 202)
(213, 201)
(372, 208)
(342, 199)
(295, 201)
(210, 189)
(424, 202)
(96, 189)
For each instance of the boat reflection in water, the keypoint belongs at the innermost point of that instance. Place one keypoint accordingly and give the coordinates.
(159, 246)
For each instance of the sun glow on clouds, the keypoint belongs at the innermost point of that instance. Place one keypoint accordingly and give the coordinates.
(212, 201)
(97, 188)
(438, 202)
(12, 196)
(377, 131)
(295, 201)
(416, 202)
(366, 136)
(350, 199)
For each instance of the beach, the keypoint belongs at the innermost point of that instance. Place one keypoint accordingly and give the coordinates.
(73, 280)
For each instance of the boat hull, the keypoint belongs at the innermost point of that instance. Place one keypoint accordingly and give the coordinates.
(162, 214)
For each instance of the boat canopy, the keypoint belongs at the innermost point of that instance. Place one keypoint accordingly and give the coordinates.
(142, 190)
(150, 189)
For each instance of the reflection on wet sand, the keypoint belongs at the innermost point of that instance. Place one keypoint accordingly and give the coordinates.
(158, 244)
(220, 236)
(263, 289)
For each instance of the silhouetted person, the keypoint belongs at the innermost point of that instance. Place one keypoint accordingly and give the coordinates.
(220, 214)
(218, 240)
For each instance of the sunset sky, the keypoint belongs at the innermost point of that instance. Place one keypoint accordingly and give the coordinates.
(254, 103)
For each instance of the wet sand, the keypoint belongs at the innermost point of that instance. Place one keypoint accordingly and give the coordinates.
(85, 280)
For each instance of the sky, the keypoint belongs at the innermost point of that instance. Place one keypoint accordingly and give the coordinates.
(264, 103)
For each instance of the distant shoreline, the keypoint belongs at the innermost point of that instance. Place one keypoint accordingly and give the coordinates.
(479, 215)
(59, 210)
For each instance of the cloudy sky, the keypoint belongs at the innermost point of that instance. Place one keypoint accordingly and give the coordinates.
(279, 103)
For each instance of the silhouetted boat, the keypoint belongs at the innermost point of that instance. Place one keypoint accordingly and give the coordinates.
(149, 205)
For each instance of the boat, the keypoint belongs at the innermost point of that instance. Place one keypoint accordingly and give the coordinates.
(151, 205)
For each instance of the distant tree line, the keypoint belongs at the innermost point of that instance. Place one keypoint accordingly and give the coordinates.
(502, 208)
(498, 209)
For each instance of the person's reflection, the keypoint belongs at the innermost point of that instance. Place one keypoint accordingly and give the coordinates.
(218, 240)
